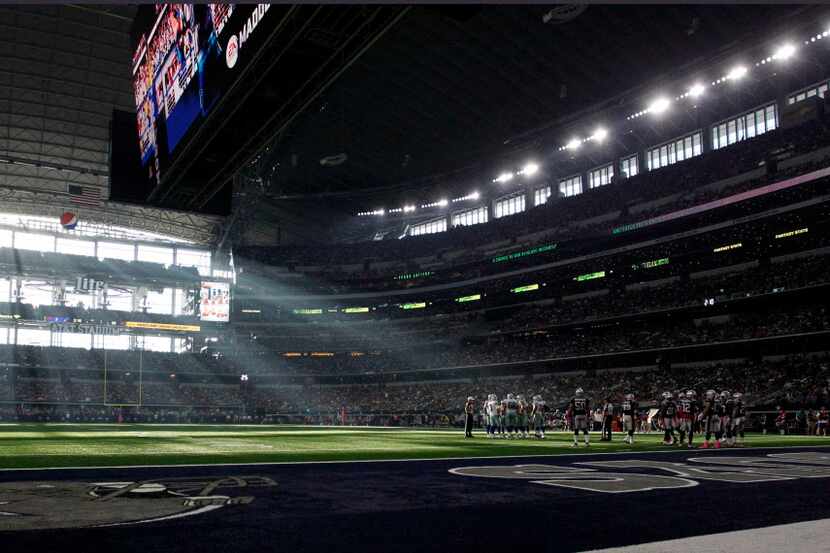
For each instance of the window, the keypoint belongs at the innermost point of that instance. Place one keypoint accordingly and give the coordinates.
(32, 337)
(570, 186)
(541, 195)
(160, 302)
(430, 227)
(155, 254)
(819, 90)
(116, 250)
(600, 176)
(509, 206)
(470, 217)
(194, 258)
(672, 152)
(36, 242)
(744, 126)
(119, 342)
(157, 343)
(6, 238)
(628, 166)
(119, 300)
(75, 247)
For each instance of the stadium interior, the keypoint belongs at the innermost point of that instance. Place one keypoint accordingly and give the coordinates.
(332, 233)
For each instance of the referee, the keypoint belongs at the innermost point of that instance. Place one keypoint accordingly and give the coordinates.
(469, 409)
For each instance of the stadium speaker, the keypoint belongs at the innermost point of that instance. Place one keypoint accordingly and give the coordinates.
(809, 109)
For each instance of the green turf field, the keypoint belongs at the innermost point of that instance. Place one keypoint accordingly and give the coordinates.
(73, 445)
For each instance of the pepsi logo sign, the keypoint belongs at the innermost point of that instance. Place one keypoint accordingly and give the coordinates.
(232, 51)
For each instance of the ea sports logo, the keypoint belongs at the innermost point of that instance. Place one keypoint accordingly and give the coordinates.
(232, 51)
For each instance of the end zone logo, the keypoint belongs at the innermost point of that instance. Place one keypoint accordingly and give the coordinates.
(232, 51)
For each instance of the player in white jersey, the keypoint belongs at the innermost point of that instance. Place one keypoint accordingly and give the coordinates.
(510, 407)
(538, 415)
(491, 414)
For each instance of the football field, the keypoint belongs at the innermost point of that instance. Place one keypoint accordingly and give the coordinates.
(87, 445)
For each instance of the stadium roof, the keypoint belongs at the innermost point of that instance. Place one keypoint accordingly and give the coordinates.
(449, 88)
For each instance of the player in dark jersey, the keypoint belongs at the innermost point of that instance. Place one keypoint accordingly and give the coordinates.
(580, 410)
(629, 411)
(709, 420)
(823, 422)
(738, 417)
(666, 415)
(726, 420)
(687, 414)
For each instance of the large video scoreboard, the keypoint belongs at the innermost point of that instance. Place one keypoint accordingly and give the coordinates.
(186, 57)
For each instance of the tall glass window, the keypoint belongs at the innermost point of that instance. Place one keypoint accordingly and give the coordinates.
(747, 125)
(541, 195)
(116, 250)
(470, 217)
(629, 166)
(570, 186)
(600, 176)
(194, 258)
(430, 227)
(509, 206)
(819, 90)
(677, 150)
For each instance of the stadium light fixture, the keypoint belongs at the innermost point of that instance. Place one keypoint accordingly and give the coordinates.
(573, 144)
(784, 52)
(600, 134)
(737, 72)
(408, 208)
(697, 90)
(475, 195)
(504, 177)
(530, 169)
(443, 202)
(659, 105)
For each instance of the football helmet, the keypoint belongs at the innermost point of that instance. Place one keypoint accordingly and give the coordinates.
(579, 392)
(629, 397)
(737, 396)
(710, 394)
(691, 394)
(470, 398)
(509, 396)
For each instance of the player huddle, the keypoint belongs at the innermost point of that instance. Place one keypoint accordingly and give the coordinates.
(513, 417)
(719, 415)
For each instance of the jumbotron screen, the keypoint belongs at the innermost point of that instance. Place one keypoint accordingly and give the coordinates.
(186, 57)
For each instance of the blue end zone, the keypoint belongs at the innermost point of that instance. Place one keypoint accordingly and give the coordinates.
(556, 503)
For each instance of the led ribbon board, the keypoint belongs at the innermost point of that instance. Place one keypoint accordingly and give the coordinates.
(653, 263)
(791, 233)
(307, 311)
(465, 299)
(590, 276)
(728, 247)
(412, 276)
(416, 305)
(524, 253)
(163, 326)
(528, 288)
(355, 310)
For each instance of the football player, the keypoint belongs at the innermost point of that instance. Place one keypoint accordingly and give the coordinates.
(738, 416)
(687, 414)
(666, 415)
(581, 413)
(538, 415)
(510, 406)
(823, 422)
(720, 411)
(491, 415)
(629, 411)
(728, 405)
(521, 416)
(709, 419)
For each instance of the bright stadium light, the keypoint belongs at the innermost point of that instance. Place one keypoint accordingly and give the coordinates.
(442, 202)
(504, 177)
(600, 134)
(696, 90)
(408, 208)
(737, 72)
(785, 52)
(475, 195)
(573, 144)
(530, 169)
(659, 105)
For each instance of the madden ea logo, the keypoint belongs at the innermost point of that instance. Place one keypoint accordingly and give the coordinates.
(232, 51)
